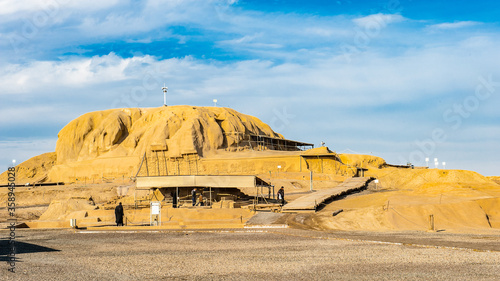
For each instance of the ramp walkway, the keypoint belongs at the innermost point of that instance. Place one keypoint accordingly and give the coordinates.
(311, 201)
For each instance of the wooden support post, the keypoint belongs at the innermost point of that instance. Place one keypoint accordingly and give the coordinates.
(300, 163)
(431, 222)
(157, 163)
(165, 162)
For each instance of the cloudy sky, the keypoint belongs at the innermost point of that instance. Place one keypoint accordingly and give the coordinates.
(404, 80)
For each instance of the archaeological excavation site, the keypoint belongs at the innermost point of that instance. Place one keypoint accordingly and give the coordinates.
(187, 167)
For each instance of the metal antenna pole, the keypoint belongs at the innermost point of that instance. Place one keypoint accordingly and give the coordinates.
(164, 89)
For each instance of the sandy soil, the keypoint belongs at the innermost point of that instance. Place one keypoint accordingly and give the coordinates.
(32, 202)
(285, 254)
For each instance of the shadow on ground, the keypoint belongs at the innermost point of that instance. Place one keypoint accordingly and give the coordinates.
(21, 248)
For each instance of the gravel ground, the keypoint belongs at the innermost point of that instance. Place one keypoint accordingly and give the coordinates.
(282, 254)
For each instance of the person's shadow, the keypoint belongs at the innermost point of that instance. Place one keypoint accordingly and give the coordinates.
(21, 248)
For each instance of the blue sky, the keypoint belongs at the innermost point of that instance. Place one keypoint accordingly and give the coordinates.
(403, 80)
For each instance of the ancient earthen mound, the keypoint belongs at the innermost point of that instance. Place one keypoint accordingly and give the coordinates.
(178, 130)
(118, 144)
(111, 143)
(362, 161)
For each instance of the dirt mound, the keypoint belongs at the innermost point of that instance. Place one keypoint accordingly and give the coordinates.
(362, 161)
(177, 130)
(407, 210)
(60, 209)
(33, 170)
(495, 179)
(318, 151)
(434, 181)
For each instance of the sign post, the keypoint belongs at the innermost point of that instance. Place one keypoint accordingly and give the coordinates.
(155, 216)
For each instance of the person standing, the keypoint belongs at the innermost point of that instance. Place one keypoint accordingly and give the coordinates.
(281, 195)
(193, 195)
(119, 214)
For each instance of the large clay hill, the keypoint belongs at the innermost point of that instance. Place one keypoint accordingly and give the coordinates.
(119, 144)
(111, 143)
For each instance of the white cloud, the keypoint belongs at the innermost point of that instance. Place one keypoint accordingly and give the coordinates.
(327, 97)
(250, 41)
(152, 21)
(372, 78)
(154, 14)
(454, 25)
(73, 73)
(51, 7)
(378, 20)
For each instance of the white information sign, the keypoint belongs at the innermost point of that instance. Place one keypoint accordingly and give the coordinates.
(155, 216)
(155, 208)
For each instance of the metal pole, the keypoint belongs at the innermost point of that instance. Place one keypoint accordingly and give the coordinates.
(311, 177)
(164, 89)
(255, 198)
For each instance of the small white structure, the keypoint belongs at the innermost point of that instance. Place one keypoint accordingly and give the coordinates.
(72, 223)
(164, 89)
(155, 215)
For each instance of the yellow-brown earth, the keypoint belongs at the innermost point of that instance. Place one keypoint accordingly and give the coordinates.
(109, 146)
